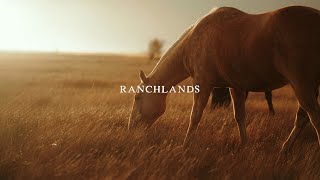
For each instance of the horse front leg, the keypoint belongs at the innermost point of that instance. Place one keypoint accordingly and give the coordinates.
(200, 101)
(238, 99)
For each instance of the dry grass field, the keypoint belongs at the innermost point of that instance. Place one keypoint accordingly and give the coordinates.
(62, 117)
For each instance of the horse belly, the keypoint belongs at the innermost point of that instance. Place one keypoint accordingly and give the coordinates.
(256, 81)
(253, 72)
(251, 65)
(262, 86)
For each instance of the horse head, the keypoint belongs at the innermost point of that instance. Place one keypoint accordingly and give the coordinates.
(147, 107)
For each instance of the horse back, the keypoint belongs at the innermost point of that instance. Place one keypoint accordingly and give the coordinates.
(233, 45)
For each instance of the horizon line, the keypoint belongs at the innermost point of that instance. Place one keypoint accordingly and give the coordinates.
(71, 52)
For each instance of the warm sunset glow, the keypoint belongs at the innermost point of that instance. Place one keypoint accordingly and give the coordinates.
(106, 25)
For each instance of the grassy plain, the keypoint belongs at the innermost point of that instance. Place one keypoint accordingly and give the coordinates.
(62, 117)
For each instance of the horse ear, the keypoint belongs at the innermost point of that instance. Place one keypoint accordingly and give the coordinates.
(143, 77)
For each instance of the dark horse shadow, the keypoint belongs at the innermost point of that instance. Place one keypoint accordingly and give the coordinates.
(220, 97)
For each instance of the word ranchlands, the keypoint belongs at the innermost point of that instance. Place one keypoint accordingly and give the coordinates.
(160, 89)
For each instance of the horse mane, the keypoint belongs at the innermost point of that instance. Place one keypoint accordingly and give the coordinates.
(213, 9)
(172, 48)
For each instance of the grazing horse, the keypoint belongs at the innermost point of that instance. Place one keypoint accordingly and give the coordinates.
(221, 97)
(245, 52)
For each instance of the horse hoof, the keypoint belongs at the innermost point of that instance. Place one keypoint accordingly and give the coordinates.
(272, 113)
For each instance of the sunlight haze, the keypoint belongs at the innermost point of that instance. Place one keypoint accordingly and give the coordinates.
(107, 25)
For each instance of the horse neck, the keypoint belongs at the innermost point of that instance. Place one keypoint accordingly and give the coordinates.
(169, 71)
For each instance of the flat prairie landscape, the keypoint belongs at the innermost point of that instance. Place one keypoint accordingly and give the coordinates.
(62, 116)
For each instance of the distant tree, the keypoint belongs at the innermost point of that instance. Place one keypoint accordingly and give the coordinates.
(155, 49)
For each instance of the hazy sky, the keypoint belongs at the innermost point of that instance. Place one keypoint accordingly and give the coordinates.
(109, 25)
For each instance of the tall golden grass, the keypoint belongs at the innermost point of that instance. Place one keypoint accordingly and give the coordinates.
(62, 117)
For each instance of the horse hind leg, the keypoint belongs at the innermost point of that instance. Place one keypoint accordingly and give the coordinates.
(315, 116)
(300, 122)
(309, 105)
(268, 96)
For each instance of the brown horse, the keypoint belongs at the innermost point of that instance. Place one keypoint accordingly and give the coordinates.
(220, 97)
(246, 52)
